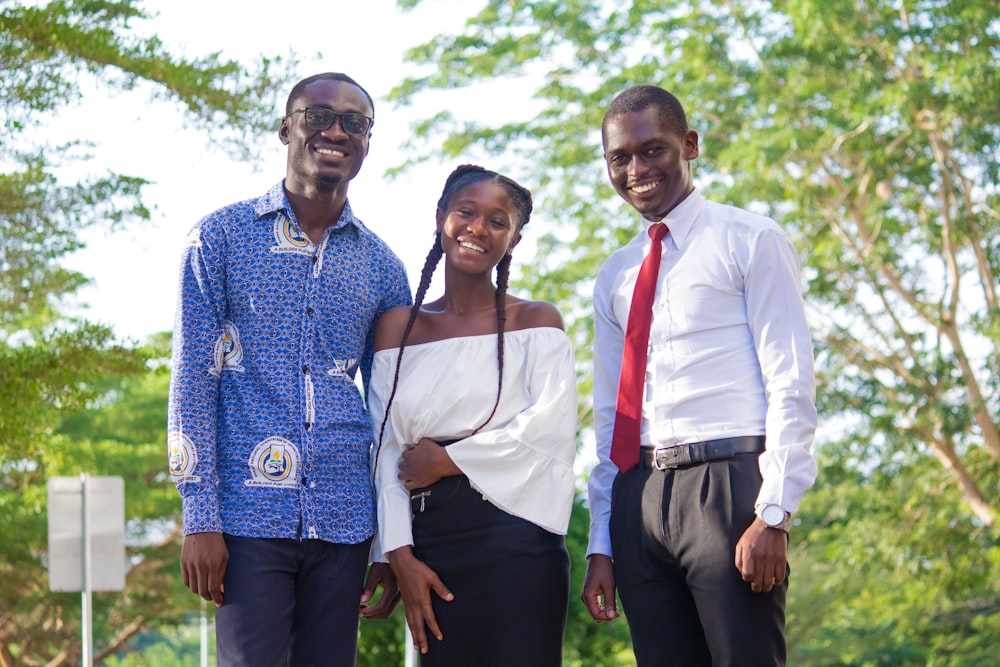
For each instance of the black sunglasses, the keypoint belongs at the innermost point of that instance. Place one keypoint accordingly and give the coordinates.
(319, 119)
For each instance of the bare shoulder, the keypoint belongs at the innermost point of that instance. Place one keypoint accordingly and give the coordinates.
(524, 314)
(390, 327)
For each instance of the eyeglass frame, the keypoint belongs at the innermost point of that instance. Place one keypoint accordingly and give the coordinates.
(338, 117)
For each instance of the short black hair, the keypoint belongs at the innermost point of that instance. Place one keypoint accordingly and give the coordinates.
(639, 98)
(329, 76)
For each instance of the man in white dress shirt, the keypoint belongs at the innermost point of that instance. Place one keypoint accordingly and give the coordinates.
(694, 537)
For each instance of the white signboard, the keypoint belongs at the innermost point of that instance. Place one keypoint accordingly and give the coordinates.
(81, 510)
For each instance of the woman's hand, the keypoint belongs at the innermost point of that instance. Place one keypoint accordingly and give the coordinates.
(425, 464)
(416, 581)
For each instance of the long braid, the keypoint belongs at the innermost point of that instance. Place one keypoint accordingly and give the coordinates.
(430, 264)
(503, 275)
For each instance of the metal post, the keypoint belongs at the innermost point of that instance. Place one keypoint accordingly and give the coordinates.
(411, 653)
(86, 624)
(204, 634)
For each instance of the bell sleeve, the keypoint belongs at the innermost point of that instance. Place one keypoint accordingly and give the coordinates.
(525, 466)
(392, 500)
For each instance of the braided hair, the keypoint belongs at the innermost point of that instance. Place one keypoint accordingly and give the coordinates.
(462, 177)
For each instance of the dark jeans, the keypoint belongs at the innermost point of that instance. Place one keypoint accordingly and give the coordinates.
(290, 603)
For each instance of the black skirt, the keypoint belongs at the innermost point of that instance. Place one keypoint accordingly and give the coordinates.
(510, 579)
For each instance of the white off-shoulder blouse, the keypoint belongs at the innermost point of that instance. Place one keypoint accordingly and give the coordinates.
(521, 461)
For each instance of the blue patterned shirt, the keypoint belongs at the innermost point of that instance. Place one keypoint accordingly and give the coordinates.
(268, 434)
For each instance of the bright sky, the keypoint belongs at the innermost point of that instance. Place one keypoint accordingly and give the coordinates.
(135, 271)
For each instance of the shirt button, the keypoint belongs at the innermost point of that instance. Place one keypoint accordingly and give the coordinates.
(305, 369)
(309, 311)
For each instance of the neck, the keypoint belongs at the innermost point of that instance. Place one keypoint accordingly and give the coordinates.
(316, 210)
(465, 294)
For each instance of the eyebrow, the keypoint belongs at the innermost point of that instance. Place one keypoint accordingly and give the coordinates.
(328, 107)
(466, 201)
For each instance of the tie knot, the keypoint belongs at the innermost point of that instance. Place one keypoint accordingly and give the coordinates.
(657, 232)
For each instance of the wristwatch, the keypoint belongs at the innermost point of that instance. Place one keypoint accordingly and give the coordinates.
(774, 516)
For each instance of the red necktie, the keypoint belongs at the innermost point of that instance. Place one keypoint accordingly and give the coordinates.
(628, 413)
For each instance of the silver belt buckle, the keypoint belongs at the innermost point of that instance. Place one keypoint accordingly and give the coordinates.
(656, 458)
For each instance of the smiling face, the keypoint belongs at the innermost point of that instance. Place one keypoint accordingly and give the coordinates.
(330, 158)
(649, 161)
(479, 226)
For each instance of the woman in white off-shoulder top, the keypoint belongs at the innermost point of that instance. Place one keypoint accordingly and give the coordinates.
(473, 401)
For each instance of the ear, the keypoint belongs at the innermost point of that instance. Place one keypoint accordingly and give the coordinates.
(691, 145)
(439, 216)
(283, 131)
(513, 243)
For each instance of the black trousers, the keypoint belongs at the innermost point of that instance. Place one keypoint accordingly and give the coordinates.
(510, 579)
(674, 535)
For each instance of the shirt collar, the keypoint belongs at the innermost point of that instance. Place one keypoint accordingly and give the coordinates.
(276, 201)
(681, 218)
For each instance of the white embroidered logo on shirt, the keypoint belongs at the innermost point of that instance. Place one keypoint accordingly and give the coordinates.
(274, 462)
(182, 457)
(290, 238)
(228, 350)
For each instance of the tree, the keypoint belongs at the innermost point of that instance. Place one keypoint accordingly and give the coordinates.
(52, 365)
(870, 130)
(122, 434)
(884, 573)
(46, 51)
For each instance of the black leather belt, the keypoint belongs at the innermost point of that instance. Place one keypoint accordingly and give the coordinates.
(679, 456)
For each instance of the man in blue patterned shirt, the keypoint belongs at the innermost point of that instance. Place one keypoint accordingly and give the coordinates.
(269, 437)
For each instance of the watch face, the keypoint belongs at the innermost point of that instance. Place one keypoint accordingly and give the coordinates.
(773, 515)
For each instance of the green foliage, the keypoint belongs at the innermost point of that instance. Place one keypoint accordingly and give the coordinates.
(173, 647)
(103, 438)
(870, 130)
(383, 642)
(47, 47)
(891, 571)
(38, 382)
(588, 644)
